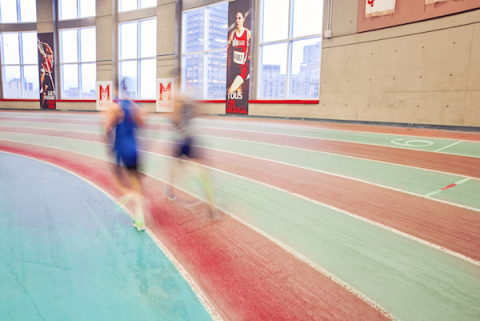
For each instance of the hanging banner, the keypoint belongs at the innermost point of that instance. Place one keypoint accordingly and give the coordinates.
(374, 8)
(164, 95)
(238, 56)
(104, 95)
(46, 67)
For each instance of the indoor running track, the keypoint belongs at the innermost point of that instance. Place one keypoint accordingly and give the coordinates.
(320, 221)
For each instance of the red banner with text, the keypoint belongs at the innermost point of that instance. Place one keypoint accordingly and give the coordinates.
(46, 68)
(238, 56)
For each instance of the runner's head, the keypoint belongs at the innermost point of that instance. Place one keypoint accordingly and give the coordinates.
(239, 20)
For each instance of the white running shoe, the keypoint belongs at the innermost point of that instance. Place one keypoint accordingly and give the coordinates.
(139, 226)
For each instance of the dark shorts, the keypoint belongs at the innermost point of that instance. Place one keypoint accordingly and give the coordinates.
(185, 147)
(129, 160)
(240, 70)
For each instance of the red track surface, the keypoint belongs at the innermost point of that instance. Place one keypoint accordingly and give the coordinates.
(441, 162)
(448, 226)
(246, 276)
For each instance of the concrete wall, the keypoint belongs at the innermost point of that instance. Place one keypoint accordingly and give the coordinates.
(425, 72)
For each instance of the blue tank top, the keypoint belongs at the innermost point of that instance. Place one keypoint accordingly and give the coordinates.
(125, 131)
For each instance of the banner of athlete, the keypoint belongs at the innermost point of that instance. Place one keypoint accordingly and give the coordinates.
(238, 56)
(46, 67)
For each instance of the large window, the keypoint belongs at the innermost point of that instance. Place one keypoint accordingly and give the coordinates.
(77, 63)
(20, 65)
(75, 9)
(290, 47)
(12, 11)
(204, 61)
(137, 58)
(127, 5)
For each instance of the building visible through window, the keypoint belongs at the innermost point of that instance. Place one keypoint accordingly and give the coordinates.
(19, 65)
(290, 53)
(77, 63)
(204, 41)
(137, 58)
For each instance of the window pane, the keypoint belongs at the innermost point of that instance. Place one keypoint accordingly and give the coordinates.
(68, 9)
(87, 8)
(9, 10)
(30, 82)
(148, 3)
(193, 75)
(28, 10)
(148, 38)
(89, 78)
(70, 81)
(275, 20)
(128, 77)
(304, 81)
(307, 17)
(148, 76)
(194, 21)
(128, 40)
(29, 48)
(217, 28)
(126, 5)
(88, 45)
(68, 39)
(217, 74)
(273, 66)
(10, 48)
(13, 85)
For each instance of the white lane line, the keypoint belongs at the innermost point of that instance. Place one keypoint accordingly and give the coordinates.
(328, 153)
(329, 139)
(273, 161)
(303, 258)
(191, 282)
(348, 141)
(156, 132)
(461, 256)
(447, 187)
(323, 129)
(448, 146)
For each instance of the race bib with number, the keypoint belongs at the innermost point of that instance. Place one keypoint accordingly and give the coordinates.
(239, 57)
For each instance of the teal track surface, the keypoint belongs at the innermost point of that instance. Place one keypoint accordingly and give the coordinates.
(69, 252)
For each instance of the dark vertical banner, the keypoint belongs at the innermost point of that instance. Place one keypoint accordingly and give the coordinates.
(239, 56)
(46, 67)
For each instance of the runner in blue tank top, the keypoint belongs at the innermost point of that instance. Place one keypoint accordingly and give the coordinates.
(123, 118)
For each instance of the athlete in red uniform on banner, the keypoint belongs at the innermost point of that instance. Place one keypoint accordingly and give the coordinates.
(239, 43)
(46, 70)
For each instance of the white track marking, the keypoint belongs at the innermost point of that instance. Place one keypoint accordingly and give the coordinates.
(448, 146)
(327, 139)
(328, 153)
(310, 200)
(346, 141)
(306, 260)
(193, 285)
(323, 129)
(338, 175)
(247, 141)
(440, 190)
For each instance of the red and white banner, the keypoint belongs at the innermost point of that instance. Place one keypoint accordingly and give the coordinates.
(165, 95)
(374, 8)
(239, 50)
(47, 70)
(104, 94)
